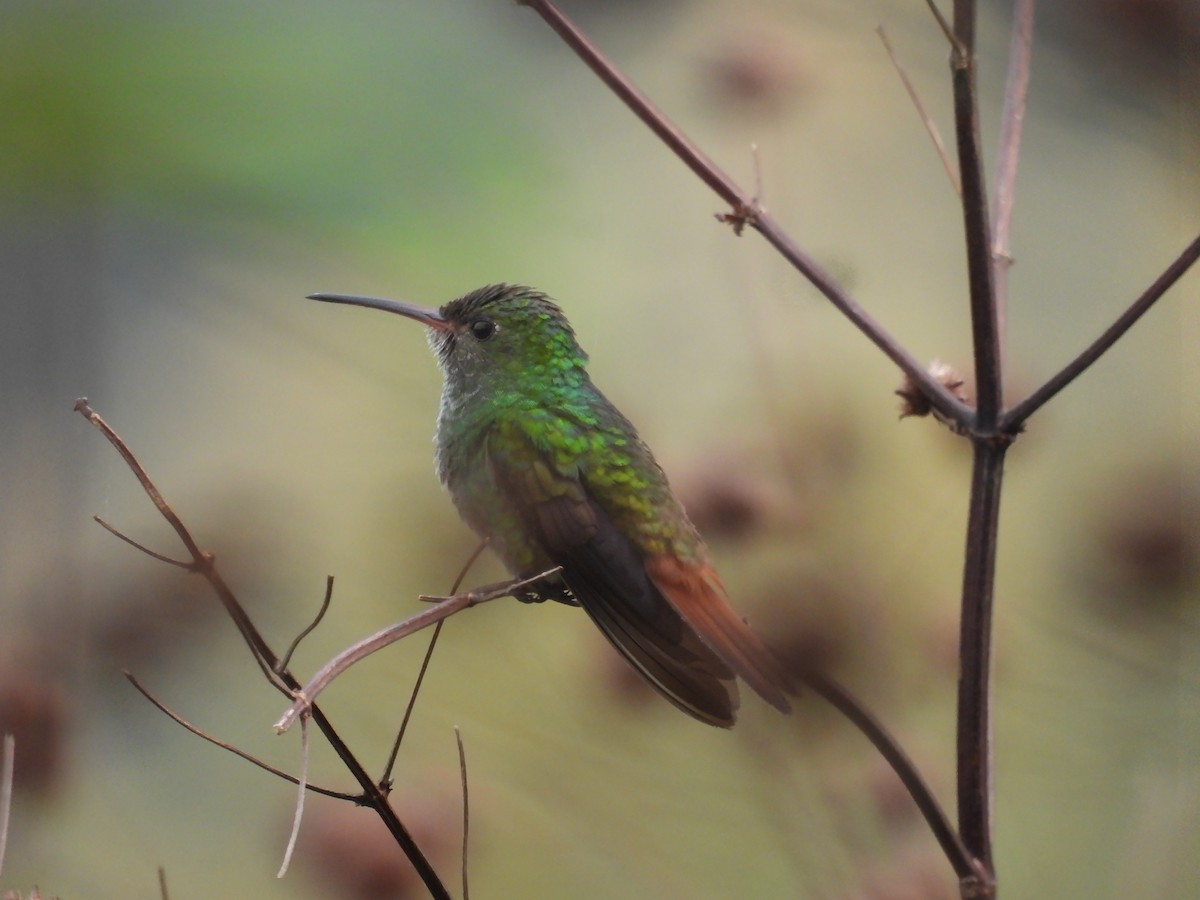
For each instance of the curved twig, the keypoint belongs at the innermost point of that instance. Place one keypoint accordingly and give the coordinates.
(286, 659)
(200, 733)
(883, 741)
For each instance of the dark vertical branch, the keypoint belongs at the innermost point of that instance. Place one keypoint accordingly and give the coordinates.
(974, 741)
(975, 650)
(985, 331)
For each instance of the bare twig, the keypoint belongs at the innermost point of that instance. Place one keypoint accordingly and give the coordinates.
(202, 562)
(180, 563)
(303, 785)
(926, 119)
(889, 748)
(201, 733)
(286, 659)
(955, 45)
(162, 883)
(743, 208)
(206, 564)
(386, 779)
(8, 756)
(462, 770)
(445, 607)
(1013, 118)
(1015, 418)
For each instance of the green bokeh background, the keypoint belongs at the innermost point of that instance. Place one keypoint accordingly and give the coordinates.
(174, 179)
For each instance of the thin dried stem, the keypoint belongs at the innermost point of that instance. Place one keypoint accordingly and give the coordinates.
(202, 562)
(1012, 121)
(8, 757)
(444, 607)
(206, 564)
(286, 659)
(386, 778)
(299, 814)
(926, 119)
(744, 210)
(162, 883)
(466, 806)
(951, 38)
(170, 561)
(889, 748)
(201, 733)
(1015, 418)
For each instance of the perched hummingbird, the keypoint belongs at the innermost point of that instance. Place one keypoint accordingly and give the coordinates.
(538, 461)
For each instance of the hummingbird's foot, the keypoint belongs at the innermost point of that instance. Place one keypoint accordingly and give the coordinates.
(521, 588)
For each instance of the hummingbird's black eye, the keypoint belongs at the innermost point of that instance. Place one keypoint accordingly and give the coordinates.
(482, 329)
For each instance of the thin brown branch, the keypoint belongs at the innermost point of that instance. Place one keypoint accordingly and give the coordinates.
(286, 659)
(202, 562)
(444, 607)
(180, 563)
(462, 771)
(926, 119)
(298, 816)
(1015, 418)
(266, 659)
(1012, 121)
(162, 883)
(887, 745)
(201, 733)
(386, 779)
(82, 407)
(744, 210)
(8, 762)
(955, 45)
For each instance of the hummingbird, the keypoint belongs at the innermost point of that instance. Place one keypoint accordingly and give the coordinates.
(540, 463)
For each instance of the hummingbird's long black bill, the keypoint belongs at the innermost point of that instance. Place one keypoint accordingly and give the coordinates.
(423, 314)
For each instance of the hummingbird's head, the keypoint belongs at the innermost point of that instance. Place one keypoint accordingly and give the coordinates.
(500, 337)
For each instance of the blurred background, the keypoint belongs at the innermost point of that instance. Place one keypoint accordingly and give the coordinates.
(174, 178)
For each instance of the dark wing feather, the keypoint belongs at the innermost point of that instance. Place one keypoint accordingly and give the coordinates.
(608, 578)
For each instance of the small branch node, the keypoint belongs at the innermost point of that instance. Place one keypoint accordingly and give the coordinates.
(743, 214)
(915, 402)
